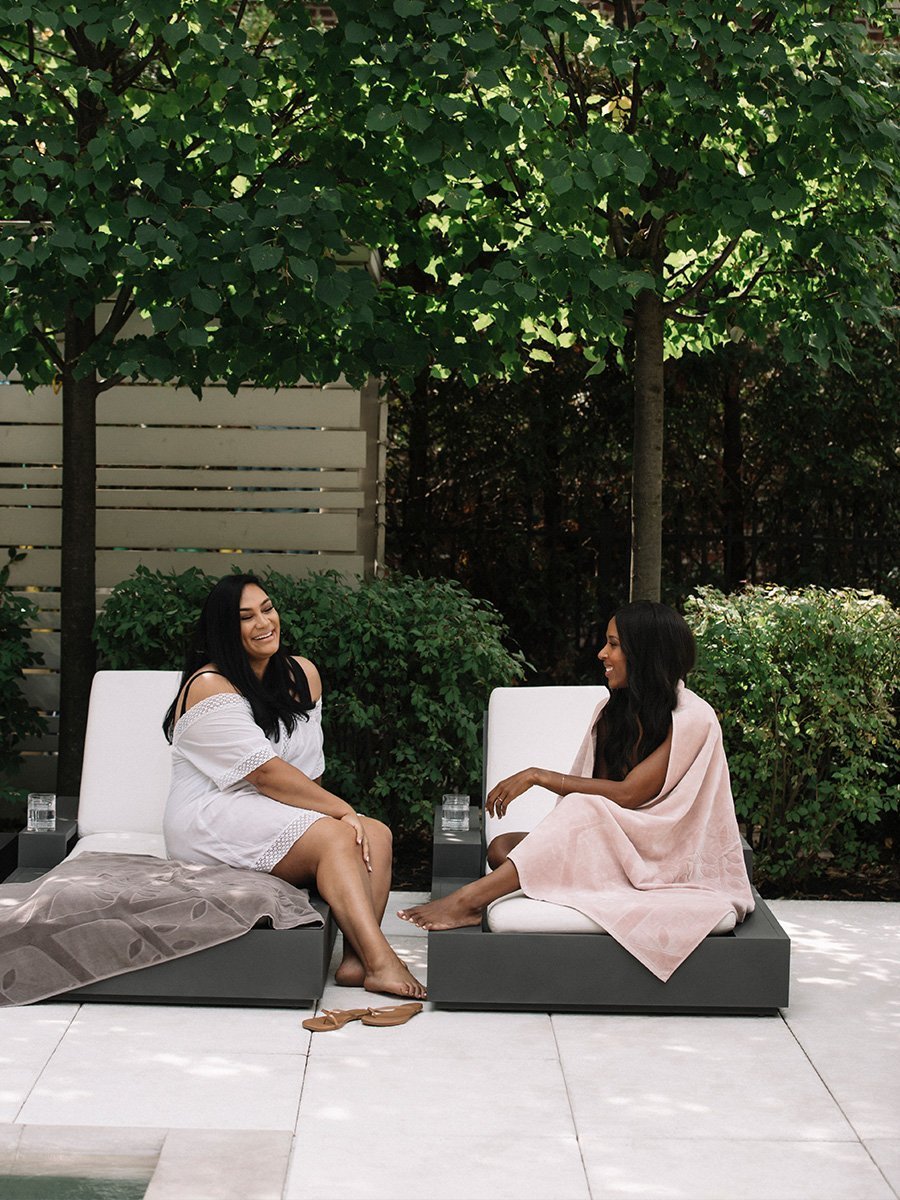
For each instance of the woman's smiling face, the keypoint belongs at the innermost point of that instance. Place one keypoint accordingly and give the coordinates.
(612, 656)
(260, 627)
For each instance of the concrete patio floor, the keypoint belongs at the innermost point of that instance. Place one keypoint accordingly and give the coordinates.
(243, 1104)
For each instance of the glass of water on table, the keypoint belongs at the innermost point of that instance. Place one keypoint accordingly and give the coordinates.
(454, 812)
(41, 812)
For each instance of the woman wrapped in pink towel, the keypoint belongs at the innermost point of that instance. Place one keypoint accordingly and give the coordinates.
(643, 839)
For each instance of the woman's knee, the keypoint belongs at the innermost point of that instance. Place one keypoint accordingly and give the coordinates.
(333, 834)
(377, 831)
(499, 848)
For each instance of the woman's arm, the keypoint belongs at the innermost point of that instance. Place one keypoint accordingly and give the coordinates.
(641, 784)
(280, 781)
(313, 677)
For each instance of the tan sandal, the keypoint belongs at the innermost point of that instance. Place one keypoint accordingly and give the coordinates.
(392, 1014)
(334, 1018)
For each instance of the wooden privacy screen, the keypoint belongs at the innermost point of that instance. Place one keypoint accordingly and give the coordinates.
(289, 479)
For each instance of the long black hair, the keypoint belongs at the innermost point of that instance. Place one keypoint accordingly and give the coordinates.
(281, 696)
(659, 651)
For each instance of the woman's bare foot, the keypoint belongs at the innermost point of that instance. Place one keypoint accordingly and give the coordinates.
(350, 971)
(452, 912)
(394, 979)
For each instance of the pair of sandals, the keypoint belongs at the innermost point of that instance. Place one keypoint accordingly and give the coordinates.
(337, 1018)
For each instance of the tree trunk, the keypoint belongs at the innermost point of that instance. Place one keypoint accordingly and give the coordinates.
(416, 533)
(647, 464)
(77, 573)
(735, 548)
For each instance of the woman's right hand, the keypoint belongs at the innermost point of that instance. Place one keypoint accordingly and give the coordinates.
(500, 797)
(355, 821)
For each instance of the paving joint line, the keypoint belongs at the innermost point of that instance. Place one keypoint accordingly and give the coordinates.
(587, 1178)
(837, 1103)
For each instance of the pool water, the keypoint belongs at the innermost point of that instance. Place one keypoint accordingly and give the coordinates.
(70, 1187)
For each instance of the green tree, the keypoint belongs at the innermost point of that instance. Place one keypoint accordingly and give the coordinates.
(152, 162)
(536, 176)
(676, 176)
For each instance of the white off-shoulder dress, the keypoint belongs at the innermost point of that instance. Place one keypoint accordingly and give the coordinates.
(212, 814)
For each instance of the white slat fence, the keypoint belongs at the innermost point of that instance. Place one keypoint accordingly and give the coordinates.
(290, 479)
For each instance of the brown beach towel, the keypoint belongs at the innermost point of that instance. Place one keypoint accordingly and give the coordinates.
(657, 878)
(98, 915)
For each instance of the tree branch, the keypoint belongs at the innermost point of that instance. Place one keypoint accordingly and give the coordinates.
(559, 60)
(127, 78)
(50, 347)
(710, 271)
(239, 15)
(754, 280)
(103, 385)
(121, 311)
(510, 172)
(616, 235)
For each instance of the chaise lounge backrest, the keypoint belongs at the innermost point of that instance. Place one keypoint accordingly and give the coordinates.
(534, 727)
(127, 763)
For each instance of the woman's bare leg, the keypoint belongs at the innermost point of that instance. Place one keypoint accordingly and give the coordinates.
(466, 905)
(498, 850)
(327, 854)
(351, 971)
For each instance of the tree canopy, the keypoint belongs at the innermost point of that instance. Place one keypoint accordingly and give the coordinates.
(535, 175)
(678, 175)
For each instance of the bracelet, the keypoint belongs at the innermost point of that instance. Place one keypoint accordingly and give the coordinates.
(562, 783)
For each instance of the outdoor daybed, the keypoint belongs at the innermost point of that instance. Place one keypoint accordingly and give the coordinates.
(544, 956)
(124, 786)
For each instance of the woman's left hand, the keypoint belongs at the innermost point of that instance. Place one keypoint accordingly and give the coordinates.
(362, 841)
(500, 797)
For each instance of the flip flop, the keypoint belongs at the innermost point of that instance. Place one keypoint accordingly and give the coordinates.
(392, 1014)
(334, 1018)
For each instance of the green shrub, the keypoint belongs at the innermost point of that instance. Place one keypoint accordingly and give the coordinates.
(805, 684)
(146, 620)
(407, 664)
(17, 719)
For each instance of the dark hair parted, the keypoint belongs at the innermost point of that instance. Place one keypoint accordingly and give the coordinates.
(282, 695)
(659, 651)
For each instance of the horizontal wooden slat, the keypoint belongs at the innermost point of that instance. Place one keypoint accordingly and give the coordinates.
(42, 691)
(215, 447)
(296, 407)
(41, 567)
(338, 408)
(211, 498)
(140, 528)
(47, 645)
(52, 723)
(37, 773)
(39, 745)
(39, 478)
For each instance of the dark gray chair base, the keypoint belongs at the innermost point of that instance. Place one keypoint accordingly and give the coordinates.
(276, 968)
(746, 972)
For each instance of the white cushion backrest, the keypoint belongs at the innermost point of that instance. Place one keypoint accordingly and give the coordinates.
(534, 727)
(127, 760)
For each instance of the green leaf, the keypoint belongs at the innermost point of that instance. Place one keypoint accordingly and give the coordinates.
(206, 300)
(265, 257)
(380, 118)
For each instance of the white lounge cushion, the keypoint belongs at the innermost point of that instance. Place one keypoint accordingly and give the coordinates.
(122, 842)
(533, 727)
(518, 913)
(127, 760)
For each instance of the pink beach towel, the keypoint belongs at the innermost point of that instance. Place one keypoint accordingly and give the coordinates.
(657, 878)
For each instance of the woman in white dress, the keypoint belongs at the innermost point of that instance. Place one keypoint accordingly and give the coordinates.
(246, 790)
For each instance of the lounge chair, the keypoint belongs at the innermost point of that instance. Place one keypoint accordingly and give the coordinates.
(528, 954)
(125, 781)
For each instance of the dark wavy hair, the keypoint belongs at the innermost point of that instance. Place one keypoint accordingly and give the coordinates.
(282, 695)
(659, 651)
